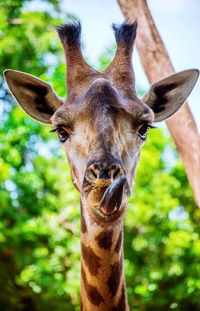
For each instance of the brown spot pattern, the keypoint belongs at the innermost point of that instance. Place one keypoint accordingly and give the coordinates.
(115, 277)
(92, 292)
(81, 308)
(121, 306)
(119, 243)
(104, 239)
(91, 260)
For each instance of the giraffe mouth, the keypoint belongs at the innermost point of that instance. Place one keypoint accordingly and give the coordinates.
(112, 205)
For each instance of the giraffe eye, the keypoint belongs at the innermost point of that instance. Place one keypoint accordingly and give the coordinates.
(142, 132)
(62, 133)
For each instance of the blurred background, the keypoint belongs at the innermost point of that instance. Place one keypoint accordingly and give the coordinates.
(39, 207)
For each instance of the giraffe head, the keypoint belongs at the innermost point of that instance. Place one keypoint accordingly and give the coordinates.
(102, 124)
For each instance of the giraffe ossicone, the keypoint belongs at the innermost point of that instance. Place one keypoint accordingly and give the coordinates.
(102, 125)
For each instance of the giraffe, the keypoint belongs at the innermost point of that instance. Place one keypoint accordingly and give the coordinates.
(102, 126)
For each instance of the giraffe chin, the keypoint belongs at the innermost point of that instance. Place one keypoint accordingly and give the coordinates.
(102, 218)
(111, 204)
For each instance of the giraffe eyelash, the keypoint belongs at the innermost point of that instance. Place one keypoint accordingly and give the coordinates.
(151, 126)
(143, 130)
(62, 133)
(58, 128)
(53, 130)
(148, 125)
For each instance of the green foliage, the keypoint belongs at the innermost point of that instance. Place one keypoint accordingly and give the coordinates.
(39, 207)
(162, 233)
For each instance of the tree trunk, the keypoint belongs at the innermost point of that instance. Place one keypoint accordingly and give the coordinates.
(157, 64)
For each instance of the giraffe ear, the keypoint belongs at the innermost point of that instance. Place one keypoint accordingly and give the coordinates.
(35, 96)
(166, 96)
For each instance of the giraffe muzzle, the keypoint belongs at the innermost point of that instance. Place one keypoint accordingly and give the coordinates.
(107, 199)
(112, 199)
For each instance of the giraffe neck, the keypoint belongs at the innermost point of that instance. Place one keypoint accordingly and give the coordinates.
(102, 273)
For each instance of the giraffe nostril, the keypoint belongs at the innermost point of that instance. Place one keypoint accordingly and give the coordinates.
(93, 172)
(116, 171)
(96, 167)
(96, 173)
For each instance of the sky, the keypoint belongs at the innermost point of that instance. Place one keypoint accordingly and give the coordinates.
(178, 22)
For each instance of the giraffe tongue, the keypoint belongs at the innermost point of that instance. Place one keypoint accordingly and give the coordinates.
(112, 198)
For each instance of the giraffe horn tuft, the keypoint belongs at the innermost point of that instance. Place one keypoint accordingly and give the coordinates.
(79, 73)
(70, 34)
(120, 71)
(125, 34)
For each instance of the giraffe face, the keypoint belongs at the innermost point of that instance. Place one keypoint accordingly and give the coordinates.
(102, 134)
(102, 124)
